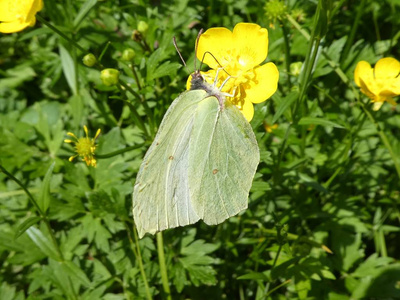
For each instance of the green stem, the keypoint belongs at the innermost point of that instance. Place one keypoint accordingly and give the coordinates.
(272, 267)
(60, 33)
(136, 76)
(138, 255)
(278, 287)
(354, 27)
(146, 107)
(135, 115)
(163, 267)
(37, 207)
(115, 153)
(287, 51)
(304, 79)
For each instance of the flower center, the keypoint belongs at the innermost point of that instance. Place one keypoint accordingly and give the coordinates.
(85, 147)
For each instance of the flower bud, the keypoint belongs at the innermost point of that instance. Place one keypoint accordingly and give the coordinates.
(136, 36)
(142, 27)
(275, 10)
(295, 68)
(128, 54)
(109, 76)
(89, 60)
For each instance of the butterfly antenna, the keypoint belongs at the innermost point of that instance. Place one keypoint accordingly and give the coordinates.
(208, 52)
(179, 52)
(195, 48)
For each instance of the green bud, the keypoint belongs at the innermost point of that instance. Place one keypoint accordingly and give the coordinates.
(295, 68)
(128, 54)
(142, 27)
(109, 76)
(89, 60)
(275, 10)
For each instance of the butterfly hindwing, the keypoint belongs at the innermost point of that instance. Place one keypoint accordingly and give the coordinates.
(223, 156)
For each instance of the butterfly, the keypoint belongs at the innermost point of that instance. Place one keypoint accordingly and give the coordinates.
(200, 165)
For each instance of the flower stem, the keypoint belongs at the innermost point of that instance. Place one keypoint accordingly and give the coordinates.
(37, 207)
(138, 255)
(163, 267)
(115, 153)
(287, 52)
(136, 76)
(59, 32)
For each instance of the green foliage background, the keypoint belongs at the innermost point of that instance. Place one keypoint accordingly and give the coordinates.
(323, 216)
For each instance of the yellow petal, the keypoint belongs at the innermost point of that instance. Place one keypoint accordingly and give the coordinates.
(367, 89)
(395, 85)
(13, 27)
(6, 11)
(218, 41)
(363, 70)
(248, 110)
(264, 84)
(377, 105)
(387, 67)
(251, 44)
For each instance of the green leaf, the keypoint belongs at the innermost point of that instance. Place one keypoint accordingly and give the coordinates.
(44, 195)
(254, 276)
(43, 243)
(25, 225)
(84, 11)
(166, 69)
(68, 66)
(284, 105)
(75, 272)
(318, 121)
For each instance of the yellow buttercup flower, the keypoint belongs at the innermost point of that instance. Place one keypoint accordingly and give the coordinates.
(84, 147)
(381, 83)
(16, 15)
(238, 55)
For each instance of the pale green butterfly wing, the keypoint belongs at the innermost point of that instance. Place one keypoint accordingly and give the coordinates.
(161, 198)
(223, 156)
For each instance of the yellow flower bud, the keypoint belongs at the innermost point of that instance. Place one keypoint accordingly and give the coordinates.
(89, 60)
(109, 76)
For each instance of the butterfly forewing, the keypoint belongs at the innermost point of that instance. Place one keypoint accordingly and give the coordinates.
(161, 198)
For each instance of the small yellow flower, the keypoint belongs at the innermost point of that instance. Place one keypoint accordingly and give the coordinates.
(381, 83)
(16, 15)
(269, 128)
(240, 54)
(84, 147)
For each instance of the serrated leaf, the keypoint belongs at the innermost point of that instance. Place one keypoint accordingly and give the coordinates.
(76, 273)
(318, 121)
(44, 194)
(166, 69)
(43, 243)
(68, 66)
(25, 225)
